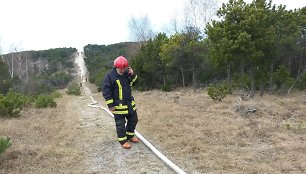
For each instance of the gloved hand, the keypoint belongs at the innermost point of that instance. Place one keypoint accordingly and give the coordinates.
(112, 109)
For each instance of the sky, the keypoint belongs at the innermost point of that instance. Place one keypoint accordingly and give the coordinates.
(45, 24)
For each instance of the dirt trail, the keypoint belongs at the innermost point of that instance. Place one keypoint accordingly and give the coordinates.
(104, 153)
(72, 138)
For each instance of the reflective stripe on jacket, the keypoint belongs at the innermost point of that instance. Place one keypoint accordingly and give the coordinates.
(117, 91)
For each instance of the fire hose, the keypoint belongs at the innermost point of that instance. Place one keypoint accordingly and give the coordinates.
(169, 163)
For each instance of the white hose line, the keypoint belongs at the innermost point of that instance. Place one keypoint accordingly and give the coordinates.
(147, 143)
(93, 101)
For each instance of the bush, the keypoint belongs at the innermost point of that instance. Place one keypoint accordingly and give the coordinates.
(301, 84)
(4, 144)
(43, 101)
(218, 92)
(74, 89)
(241, 81)
(56, 94)
(281, 77)
(166, 87)
(12, 103)
(59, 79)
(99, 77)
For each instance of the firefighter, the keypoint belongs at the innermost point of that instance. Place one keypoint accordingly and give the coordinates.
(117, 91)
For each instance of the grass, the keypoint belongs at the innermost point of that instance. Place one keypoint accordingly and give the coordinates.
(43, 141)
(197, 134)
(203, 136)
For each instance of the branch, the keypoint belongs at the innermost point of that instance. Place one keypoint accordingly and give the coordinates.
(288, 93)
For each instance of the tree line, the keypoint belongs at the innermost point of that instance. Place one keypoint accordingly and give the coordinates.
(30, 78)
(36, 72)
(99, 58)
(255, 46)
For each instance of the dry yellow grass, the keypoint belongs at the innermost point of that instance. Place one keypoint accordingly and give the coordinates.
(201, 136)
(197, 134)
(43, 141)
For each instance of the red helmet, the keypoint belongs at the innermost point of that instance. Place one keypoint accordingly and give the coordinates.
(121, 62)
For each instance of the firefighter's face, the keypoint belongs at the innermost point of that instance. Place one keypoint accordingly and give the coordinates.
(121, 70)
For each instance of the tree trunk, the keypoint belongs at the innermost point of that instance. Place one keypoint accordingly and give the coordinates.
(228, 69)
(19, 64)
(261, 89)
(301, 66)
(27, 74)
(252, 79)
(27, 71)
(271, 78)
(12, 67)
(292, 85)
(241, 85)
(289, 66)
(193, 75)
(241, 69)
(182, 73)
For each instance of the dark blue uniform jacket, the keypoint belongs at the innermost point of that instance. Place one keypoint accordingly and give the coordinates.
(117, 91)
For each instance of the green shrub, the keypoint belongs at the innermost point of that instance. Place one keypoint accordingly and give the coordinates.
(74, 89)
(43, 101)
(241, 81)
(59, 79)
(281, 77)
(56, 94)
(4, 144)
(218, 92)
(12, 103)
(301, 84)
(166, 87)
(99, 77)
